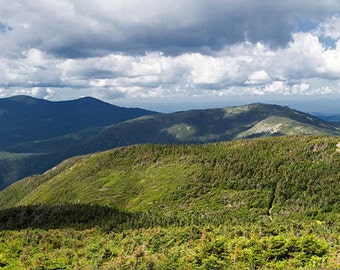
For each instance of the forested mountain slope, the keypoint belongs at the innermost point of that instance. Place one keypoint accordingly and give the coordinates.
(196, 126)
(287, 175)
(211, 125)
(24, 118)
(268, 203)
(33, 130)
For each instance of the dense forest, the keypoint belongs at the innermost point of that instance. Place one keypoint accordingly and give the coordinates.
(269, 203)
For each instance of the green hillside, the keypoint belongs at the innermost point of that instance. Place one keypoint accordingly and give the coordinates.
(269, 203)
(34, 131)
(250, 175)
(211, 125)
(195, 126)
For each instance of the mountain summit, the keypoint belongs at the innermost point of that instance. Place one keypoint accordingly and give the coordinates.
(24, 118)
(212, 125)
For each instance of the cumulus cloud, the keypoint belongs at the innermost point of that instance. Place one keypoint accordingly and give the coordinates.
(258, 77)
(33, 68)
(38, 92)
(74, 28)
(330, 28)
(133, 49)
(245, 68)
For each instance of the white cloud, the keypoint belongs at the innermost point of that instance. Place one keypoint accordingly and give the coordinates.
(38, 92)
(258, 77)
(330, 28)
(298, 89)
(245, 68)
(331, 62)
(34, 68)
(132, 49)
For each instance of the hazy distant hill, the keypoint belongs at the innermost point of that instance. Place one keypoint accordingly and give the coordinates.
(334, 119)
(24, 119)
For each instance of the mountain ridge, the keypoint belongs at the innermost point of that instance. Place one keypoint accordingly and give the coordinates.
(185, 127)
(264, 203)
(24, 118)
(27, 122)
(208, 125)
(276, 172)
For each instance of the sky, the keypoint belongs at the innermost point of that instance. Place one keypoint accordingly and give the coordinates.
(173, 54)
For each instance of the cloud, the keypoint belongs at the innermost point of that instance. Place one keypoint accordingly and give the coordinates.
(133, 49)
(244, 68)
(38, 92)
(258, 77)
(81, 29)
(4, 28)
(32, 69)
(330, 28)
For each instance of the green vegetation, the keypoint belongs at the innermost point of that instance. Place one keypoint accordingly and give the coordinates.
(269, 203)
(81, 137)
(211, 125)
(30, 125)
(15, 166)
(187, 247)
(274, 126)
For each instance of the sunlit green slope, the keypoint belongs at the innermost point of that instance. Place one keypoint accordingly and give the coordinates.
(246, 179)
(269, 203)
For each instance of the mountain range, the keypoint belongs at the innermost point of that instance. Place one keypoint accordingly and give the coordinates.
(25, 119)
(211, 125)
(247, 187)
(334, 119)
(45, 133)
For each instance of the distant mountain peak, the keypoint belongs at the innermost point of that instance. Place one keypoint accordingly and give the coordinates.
(25, 99)
(25, 118)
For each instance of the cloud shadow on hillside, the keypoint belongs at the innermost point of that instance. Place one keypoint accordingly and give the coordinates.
(76, 216)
